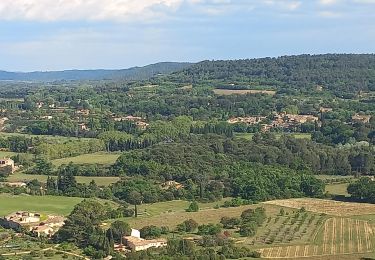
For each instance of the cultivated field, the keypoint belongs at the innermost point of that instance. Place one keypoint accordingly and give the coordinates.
(94, 158)
(338, 236)
(329, 207)
(45, 204)
(101, 181)
(227, 92)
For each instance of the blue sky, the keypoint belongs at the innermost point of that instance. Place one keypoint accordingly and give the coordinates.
(89, 34)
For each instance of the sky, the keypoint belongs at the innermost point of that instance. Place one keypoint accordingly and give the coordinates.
(44, 35)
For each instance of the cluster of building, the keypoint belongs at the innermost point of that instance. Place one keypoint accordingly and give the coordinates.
(33, 222)
(282, 120)
(138, 121)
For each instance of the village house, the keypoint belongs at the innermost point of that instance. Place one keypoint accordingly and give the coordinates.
(83, 112)
(82, 127)
(7, 166)
(39, 104)
(325, 109)
(365, 119)
(46, 117)
(250, 120)
(133, 118)
(301, 119)
(171, 184)
(141, 125)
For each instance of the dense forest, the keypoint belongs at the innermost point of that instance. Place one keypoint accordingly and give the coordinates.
(341, 74)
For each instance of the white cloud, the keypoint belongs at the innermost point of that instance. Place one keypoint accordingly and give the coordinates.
(145, 10)
(53, 10)
(328, 2)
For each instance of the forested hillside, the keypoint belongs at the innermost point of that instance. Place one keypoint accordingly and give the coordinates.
(136, 73)
(345, 73)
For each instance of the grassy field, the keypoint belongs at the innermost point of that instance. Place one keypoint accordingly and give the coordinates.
(95, 158)
(173, 213)
(337, 189)
(44, 204)
(101, 181)
(49, 137)
(226, 92)
(249, 136)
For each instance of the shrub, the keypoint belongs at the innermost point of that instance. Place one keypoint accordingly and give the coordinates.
(193, 207)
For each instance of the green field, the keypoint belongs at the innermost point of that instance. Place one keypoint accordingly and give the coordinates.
(44, 204)
(94, 158)
(249, 136)
(101, 181)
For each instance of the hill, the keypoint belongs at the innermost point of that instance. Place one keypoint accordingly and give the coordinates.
(343, 73)
(135, 73)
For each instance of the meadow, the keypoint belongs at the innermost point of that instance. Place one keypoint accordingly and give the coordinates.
(337, 189)
(102, 158)
(44, 204)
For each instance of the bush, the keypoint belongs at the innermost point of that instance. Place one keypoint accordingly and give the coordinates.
(189, 225)
(230, 222)
(193, 207)
(248, 229)
(128, 213)
(209, 229)
(150, 232)
(49, 253)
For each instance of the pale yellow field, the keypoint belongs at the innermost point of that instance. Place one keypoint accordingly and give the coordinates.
(330, 207)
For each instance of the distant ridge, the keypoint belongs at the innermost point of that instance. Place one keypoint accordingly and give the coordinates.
(135, 73)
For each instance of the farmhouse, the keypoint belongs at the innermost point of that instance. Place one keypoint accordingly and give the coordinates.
(20, 219)
(136, 243)
(7, 166)
(172, 184)
(139, 244)
(33, 222)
